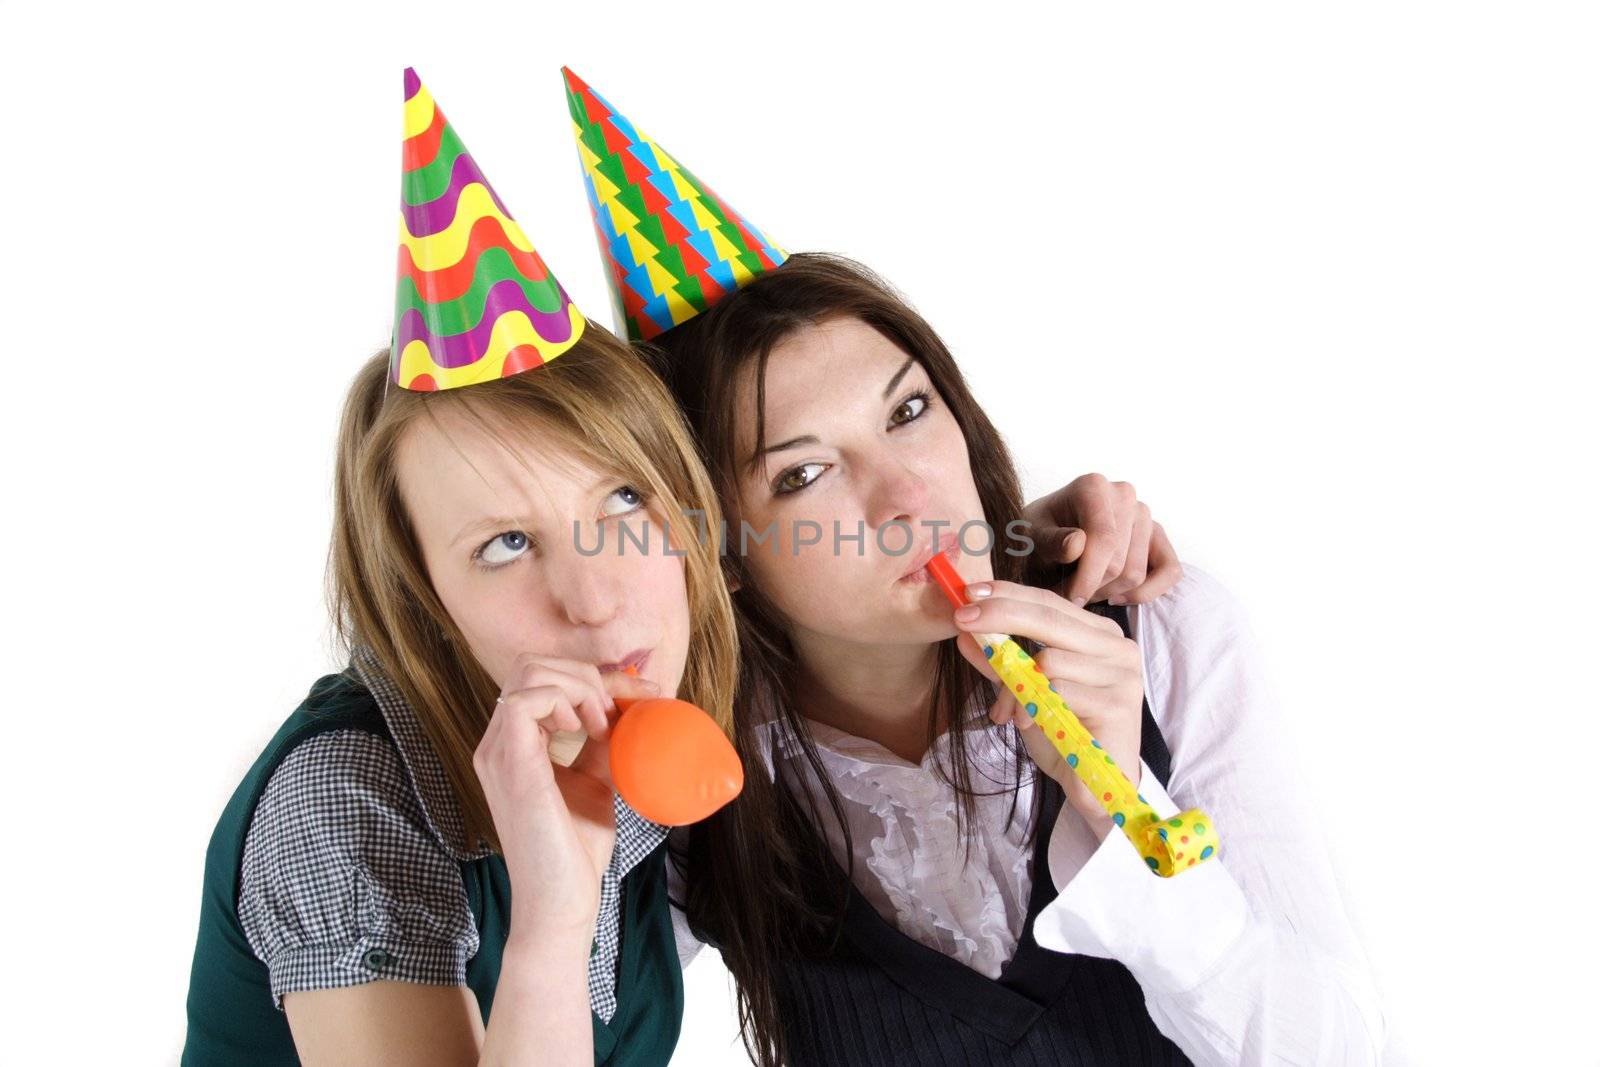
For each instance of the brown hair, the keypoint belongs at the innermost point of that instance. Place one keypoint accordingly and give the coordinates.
(599, 401)
(758, 872)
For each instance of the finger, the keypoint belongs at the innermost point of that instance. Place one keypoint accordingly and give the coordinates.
(1004, 709)
(547, 705)
(1041, 622)
(997, 589)
(1111, 557)
(625, 689)
(968, 646)
(1058, 544)
(1092, 704)
(1165, 570)
(579, 680)
(595, 761)
(993, 588)
(1058, 664)
(1137, 561)
(1103, 541)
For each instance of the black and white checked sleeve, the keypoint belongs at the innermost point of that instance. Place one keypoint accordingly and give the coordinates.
(342, 881)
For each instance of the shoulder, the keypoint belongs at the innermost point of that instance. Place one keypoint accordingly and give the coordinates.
(1197, 621)
(339, 857)
(331, 791)
(1198, 605)
(1203, 669)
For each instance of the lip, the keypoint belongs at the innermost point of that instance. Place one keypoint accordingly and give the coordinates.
(918, 572)
(635, 659)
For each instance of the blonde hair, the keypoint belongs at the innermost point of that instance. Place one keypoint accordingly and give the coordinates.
(598, 401)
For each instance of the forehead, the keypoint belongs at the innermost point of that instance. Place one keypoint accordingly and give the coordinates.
(818, 369)
(456, 463)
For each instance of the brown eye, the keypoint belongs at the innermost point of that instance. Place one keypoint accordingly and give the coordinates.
(794, 480)
(909, 410)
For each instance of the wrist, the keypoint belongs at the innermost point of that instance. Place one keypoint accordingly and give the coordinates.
(559, 938)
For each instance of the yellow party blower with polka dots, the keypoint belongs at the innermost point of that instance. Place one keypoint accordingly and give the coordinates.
(1168, 846)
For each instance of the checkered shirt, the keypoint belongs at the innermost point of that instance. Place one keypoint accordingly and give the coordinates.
(351, 863)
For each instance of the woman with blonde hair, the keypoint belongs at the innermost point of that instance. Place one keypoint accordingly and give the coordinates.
(413, 871)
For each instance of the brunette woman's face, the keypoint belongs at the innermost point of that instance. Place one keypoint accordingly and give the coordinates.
(498, 538)
(855, 436)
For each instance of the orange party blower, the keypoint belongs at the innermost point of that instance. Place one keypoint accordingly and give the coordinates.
(671, 762)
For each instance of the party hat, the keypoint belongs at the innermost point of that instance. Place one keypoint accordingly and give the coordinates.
(473, 300)
(672, 246)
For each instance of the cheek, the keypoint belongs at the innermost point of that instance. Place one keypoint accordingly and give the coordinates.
(658, 589)
(954, 466)
(815, 587)
(496, 619)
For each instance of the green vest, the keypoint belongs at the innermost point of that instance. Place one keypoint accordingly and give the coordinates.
(231, 1016)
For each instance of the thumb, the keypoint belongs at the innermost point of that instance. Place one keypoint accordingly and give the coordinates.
(595, 761)
(1059, 544)
(1071, 544)
(624, 689)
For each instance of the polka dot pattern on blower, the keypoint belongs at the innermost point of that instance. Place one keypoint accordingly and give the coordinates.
(1168, 846)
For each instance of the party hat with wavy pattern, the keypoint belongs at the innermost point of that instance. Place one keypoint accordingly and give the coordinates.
(672, 246)
(473, 300)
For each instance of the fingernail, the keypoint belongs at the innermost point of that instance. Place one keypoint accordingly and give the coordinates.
(980, 590)
(968, 613)
(1080, 600)
(1117, 600)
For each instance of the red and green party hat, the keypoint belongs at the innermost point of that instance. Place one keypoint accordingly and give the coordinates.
(473, 300)
(672, 246)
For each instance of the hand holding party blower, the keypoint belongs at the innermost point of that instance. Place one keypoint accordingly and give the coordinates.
(1167, 845)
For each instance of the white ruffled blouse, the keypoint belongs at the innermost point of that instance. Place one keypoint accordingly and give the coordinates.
(918, 873)
(1248, 959)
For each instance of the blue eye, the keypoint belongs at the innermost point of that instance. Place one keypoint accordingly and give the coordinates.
(502, 548)
(629, 499)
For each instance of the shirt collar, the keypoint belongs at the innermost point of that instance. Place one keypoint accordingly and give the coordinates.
(988, 747)
(440, 808)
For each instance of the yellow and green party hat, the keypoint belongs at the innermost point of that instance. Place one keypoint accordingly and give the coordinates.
(672, 247)
(473, 300)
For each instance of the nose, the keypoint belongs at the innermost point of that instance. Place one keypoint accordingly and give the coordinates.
(585, 589)
(897, 493)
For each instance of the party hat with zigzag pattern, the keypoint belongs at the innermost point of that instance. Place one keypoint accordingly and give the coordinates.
(672, 246)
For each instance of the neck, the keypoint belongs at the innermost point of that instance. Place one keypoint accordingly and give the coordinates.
(879, 692)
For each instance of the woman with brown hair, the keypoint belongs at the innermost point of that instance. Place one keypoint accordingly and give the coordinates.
(890, 891)
(917, 879)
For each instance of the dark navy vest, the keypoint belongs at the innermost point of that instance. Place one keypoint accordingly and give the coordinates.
(882, 998)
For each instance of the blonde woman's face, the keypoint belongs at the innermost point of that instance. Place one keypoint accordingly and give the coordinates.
(511, 549)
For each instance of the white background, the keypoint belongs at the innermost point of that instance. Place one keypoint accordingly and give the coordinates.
(1320, 282)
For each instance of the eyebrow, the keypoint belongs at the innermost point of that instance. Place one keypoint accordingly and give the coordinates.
(811, 439)
(512, 522)
(485, 525)
(901, 373)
